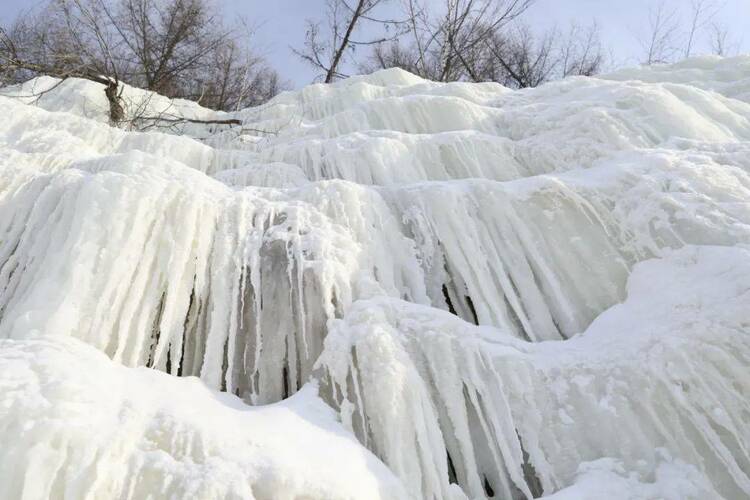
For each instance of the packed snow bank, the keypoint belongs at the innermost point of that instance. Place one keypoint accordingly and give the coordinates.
(77, 425)
(332, 234)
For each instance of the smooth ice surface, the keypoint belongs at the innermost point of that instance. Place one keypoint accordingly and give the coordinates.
(508, 293)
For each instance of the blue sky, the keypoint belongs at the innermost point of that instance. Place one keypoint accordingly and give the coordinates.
(281, 24)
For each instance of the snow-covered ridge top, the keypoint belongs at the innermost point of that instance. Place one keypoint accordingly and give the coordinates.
(359, 128)
(727, 76)
(86, 99)
(428, 254)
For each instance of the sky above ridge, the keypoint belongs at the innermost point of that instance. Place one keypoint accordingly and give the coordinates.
(281, 25)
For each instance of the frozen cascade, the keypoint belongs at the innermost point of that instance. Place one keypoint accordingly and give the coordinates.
(523, 416)
(328, 240)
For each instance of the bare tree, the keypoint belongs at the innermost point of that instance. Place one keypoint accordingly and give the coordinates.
(395, 54)
(179, 48)
(520, 58)
(439, 44)
(667, 39)
(236, 79)
(513, 55)
(721, 43)
(449, 44)
(64, 41)
(581, 51)
(467, 25)
(661, 43)
(328, 53)
(702, 12)
(483, 40)
(418, 29)
(179, 45)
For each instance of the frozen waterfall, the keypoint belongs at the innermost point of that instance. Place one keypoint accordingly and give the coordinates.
(381, 288)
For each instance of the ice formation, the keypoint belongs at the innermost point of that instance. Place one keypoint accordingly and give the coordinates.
(407, 289)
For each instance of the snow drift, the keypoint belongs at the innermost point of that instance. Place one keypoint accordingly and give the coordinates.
(498, 293)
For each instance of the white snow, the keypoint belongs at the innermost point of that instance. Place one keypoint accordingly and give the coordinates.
(606, 478)
(77, 425)
(592, 237)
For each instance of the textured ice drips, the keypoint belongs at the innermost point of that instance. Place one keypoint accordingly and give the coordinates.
(196, 284)
(374, 203)
(520, 417)
(553, 127)
(386, 157)
(540, 258)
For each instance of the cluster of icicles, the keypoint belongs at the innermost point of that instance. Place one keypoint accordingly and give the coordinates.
(356, 234)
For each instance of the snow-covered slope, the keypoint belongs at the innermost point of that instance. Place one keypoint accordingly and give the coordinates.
(591, 238)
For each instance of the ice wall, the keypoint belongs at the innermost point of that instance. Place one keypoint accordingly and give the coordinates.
(660, 373)
(331, 236)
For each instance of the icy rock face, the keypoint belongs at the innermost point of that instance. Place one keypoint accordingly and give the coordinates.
(331, 236)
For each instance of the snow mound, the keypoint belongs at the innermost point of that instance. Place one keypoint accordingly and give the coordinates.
(606, 478)
(500, 293)
(143, 433)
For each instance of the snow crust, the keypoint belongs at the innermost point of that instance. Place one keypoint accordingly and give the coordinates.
(590, 236)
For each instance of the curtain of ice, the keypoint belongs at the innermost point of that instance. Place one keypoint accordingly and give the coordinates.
(365, 207)
(491, 413)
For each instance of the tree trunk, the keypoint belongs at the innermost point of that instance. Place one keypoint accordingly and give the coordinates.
(331, 73)
(116, 112)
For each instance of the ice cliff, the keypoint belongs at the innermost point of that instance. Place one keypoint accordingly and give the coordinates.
(382, 288)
